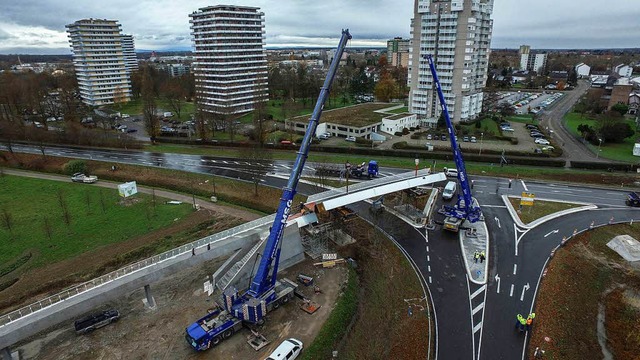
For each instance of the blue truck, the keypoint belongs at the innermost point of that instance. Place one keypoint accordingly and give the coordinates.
(265, 293)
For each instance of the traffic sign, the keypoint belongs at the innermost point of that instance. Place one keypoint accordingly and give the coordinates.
(527, 199)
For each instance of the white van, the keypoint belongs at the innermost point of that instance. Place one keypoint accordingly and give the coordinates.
(449, 190)
(288, 350)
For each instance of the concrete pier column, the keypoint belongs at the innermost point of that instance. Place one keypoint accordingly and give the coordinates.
(149, 300)
(6, 353)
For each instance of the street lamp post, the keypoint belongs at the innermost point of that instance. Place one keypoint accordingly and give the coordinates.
(599, 145)
(481, 138)
(417, 162)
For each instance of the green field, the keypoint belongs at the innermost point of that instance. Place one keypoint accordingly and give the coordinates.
(274, 108)
(487, 126)
(614, 151)
(522, 118)
(32, 202)
(401, 110)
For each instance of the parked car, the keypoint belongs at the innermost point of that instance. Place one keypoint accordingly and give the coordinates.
(287, 350)
(125, 116)
(324, 136)
(473, 139)
(132, 130)
(95, 321)
(451, 172)
(429, 137)
(548, 148)
(541, 141)
(80, 177)
(351, 138)
(443, 138)
(507, 129)
(465, 139)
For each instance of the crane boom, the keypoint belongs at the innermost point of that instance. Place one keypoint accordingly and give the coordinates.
(266, 273)
(467, 210)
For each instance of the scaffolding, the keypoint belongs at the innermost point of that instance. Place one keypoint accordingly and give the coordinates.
(315, 239)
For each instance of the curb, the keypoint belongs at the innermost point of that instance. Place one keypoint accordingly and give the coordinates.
(531, 225)
(486, 263)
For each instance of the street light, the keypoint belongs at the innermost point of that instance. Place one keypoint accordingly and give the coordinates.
(417, 162)
(599, 145)
(481, 137)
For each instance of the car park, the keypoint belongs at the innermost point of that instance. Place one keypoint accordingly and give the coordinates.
(287, 350)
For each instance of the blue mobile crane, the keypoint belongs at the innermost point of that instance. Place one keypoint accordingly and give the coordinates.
(465, 207)
(265, 292)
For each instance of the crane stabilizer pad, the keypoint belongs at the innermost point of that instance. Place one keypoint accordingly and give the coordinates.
(309, 306)
(257, 340)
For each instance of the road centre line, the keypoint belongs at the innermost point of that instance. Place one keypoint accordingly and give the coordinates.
(515, 268)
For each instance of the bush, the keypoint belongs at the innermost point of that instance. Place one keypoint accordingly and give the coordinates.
(398, 133)
(405, 131)
(416, 136)
(400, 145)
(412, 129)
(514, 140)
(75, 166)
(363, 141)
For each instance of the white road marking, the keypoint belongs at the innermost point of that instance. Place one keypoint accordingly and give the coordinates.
(479, 291)
(430, 280)
(427, 248)
(524, 288)
(494, 206)
(511, 292)
(477, 327)
(498, 280)
(429, 268)
(497, 221)
(428, 258)
(478, 308)
(515, 268)
(552, 232)
(524, 186)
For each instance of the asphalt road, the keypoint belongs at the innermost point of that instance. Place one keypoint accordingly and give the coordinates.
(573, 149)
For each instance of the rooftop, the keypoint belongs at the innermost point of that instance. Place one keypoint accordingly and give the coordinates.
(398, 116)
(355, 116)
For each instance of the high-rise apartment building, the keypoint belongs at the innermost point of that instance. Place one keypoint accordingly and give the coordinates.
(532, 61)
(457, 33)
(230, 62)
(398, 52)
(129, 51)
(99, 62)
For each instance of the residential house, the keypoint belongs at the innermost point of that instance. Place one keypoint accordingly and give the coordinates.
(583, 70)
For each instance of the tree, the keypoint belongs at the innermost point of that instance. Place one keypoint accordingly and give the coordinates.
(442, 121)
(386, 89)
(505, 109)
(257, 164)
(175, 94)
(120, 96)
(149, 108)
(260, 122)
(573, 77)
(620, 108)
(616, 132)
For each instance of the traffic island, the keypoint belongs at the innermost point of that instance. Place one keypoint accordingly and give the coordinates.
(474, 244)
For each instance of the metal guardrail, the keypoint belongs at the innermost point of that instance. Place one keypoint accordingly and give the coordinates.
(367, 185)
(124, 271)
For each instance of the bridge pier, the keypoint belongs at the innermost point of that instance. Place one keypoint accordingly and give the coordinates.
(6, 353)
(148, 301)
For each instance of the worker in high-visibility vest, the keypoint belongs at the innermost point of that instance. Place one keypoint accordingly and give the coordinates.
(530, 320)
(520, 322)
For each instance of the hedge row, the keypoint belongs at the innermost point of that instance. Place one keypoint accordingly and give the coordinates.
(610, 166)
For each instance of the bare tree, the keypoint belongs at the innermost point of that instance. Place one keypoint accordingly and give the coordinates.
(7, 219)
(257, 164)
(48, 228)
(62, 201)
(150, 109)
(120, 96)
(175, 94)
(260, 122)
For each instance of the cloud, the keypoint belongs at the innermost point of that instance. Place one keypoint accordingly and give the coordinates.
(159, 24)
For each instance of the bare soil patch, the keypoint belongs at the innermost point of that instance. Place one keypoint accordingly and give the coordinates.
(580, 277)
(159, 334)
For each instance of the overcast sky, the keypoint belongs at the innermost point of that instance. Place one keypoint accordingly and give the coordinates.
(38, 26)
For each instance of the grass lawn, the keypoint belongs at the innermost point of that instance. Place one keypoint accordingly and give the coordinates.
(614, 151)
(521, 118)
(401, 110)
(487, 126)
(358, 116)
(32, 202)
(274, 108)
(581, 278)
(539, 209)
